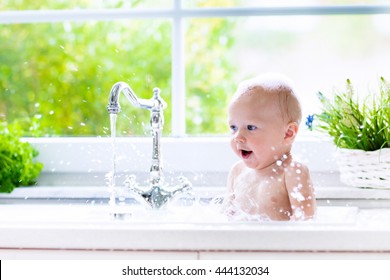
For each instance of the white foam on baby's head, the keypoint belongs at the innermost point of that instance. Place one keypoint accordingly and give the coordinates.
(268, 81)
(274, 83)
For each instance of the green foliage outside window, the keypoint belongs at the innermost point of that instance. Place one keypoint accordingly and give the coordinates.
(209, 75)
(63, 72)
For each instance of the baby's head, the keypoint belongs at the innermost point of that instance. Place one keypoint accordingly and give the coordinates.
(264, 116)
(277, 87)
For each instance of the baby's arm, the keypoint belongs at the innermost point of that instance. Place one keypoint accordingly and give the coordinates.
(301, 192)
(229, 196)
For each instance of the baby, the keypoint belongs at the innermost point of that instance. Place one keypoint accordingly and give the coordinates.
(264, 116)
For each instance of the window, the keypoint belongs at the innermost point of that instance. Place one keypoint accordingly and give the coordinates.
(59, 59)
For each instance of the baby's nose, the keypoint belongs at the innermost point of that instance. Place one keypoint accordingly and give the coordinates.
(239, 138)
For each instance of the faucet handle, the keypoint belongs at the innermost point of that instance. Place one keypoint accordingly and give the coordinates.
(131, 182)
(185, 183)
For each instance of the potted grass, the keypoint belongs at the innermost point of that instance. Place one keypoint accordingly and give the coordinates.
(360, 128)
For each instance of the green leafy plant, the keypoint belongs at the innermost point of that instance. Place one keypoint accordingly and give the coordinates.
(17, 165)
(355, 123)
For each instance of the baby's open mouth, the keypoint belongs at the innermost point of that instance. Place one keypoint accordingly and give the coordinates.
(245, 154)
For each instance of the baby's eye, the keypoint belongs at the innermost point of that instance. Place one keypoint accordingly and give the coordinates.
(233, 128)
(251, 127)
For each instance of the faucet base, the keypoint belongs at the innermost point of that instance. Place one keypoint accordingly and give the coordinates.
(157, 196)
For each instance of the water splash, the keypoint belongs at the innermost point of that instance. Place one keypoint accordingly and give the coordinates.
(111, 176)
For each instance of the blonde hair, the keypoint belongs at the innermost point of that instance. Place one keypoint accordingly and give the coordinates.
(281, 85)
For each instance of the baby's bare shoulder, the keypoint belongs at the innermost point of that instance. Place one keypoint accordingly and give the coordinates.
(296, 167)
(237, 168)
(297, 172)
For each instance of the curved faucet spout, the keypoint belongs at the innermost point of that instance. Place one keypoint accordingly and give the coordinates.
(113, 101)
(157, 195)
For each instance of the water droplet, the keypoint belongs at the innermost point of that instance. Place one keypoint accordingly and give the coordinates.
(279, 163)
(299, 213)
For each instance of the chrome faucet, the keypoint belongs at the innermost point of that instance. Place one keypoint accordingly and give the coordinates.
(158, 193)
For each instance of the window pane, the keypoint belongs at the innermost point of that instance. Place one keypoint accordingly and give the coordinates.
(318, 52)
(81, 4)
(62, 73)
(210, 74)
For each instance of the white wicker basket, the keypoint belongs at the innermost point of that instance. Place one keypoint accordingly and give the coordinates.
(363, 169)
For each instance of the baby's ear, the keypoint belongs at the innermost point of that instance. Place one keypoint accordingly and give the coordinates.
(291, 132)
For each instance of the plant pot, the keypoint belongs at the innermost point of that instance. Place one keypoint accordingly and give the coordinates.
(363, 169)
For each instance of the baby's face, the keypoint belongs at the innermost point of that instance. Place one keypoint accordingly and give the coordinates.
(257, 128)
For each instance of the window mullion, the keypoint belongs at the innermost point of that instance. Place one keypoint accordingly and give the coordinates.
(178, 73)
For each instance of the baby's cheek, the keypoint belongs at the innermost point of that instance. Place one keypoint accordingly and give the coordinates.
(232, 146)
